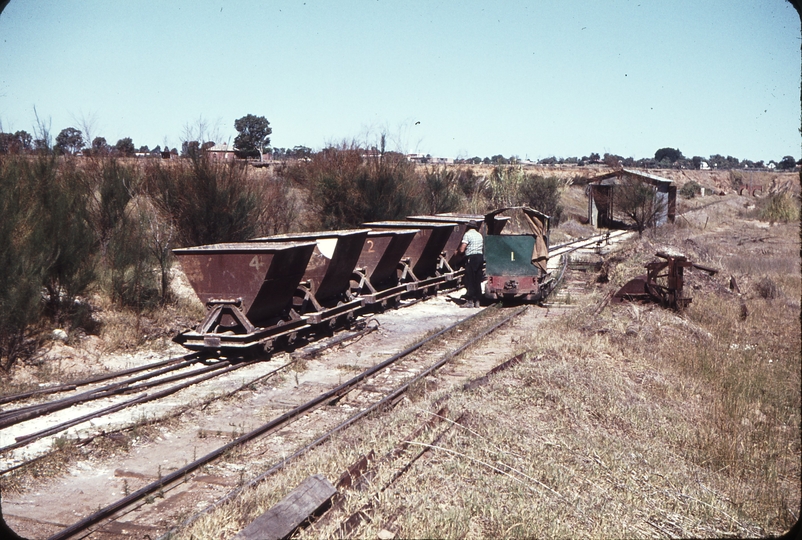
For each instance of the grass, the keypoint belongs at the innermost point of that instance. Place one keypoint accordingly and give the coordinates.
(636, 422)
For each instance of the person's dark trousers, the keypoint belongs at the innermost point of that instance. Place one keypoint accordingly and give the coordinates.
(473, 277)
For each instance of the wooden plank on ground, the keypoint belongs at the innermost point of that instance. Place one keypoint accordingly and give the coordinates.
(290, 512)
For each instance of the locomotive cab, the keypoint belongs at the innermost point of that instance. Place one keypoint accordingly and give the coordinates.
(516, 258)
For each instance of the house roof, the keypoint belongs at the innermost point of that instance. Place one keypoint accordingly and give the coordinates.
(222, 147)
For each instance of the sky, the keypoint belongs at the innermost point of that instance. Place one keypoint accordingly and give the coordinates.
(452, 79)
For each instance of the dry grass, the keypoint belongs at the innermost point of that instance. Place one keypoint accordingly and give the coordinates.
(637, 422)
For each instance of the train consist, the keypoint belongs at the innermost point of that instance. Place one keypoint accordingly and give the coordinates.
(270, 290)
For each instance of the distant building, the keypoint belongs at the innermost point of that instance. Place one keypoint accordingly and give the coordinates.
(428, 158)
(221, 152)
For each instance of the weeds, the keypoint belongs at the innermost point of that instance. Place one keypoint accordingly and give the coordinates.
(779, 208)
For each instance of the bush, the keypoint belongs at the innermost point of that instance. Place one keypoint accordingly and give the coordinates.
(46, 242)
(543, 194)
(767, 289)
(781, 207)
(61, 231)
(131, 262)
(690, 190)
(512, 187)
(209, 202)
(440, 190)
(116, 184)
(20, 265)
(347, 190)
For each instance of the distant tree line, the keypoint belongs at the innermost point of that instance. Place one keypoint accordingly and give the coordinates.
(253, 141)
(672, 158)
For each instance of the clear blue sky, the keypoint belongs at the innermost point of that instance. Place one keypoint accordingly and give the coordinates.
(452, 79)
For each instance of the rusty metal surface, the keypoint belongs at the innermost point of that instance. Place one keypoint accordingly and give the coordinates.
(381, 254)
(451, 248)
(494, 225)
(663, 282)
(336, 254)
(260, 278)
(426, 247)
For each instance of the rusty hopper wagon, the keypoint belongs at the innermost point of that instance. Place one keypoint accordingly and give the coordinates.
(324, 293)
(376, 274)
(516, 260)
(424, 266)
(247, 289)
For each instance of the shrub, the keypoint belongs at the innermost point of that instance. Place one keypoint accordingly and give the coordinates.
(61, 231)
(46, 242)
(20, 265)
(440, 190)
(131, 262)
(766, 288)
(208, 201)
(347, 189)
(116, 185)
(781, 207)
(543, 194)
(690, 190)
(502, 187)
(513, 187)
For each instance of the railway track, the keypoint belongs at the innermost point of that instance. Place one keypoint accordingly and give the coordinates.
(365, 392)
(190, 369)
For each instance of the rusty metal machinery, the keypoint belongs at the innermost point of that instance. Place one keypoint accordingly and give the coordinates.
(662, 283)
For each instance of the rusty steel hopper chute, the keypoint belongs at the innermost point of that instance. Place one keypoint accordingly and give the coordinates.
(376, 273)
(324, 293)
(247, 289)
(423, 262)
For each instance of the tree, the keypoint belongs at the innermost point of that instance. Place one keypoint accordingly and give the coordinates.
(144, 149)
(300, 152)
(669, 154)
(254, 136)
(25, 140)
(69, 141)
(126, 147)
(697, 162)
(17, 143)
(613, 161)
(787, 163)
(100, 146)
(638, 202)
(190, 149)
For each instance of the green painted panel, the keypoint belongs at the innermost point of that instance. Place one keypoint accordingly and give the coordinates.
(507, 255)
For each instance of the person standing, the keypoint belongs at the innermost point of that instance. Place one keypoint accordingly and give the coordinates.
(473, 247)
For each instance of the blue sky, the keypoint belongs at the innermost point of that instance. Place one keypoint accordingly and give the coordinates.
(448, 78)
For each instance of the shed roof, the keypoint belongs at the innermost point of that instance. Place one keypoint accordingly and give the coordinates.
(640, 175)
